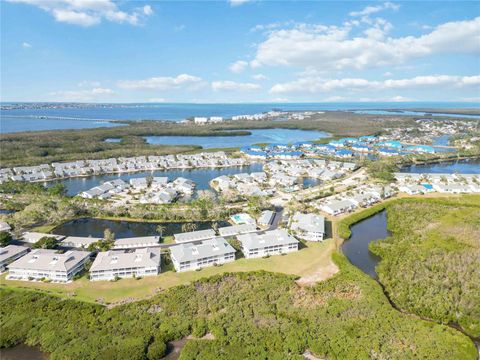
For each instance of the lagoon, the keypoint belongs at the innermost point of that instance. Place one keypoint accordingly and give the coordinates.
(469, 166)
(257, 136)
(201, 177)
(123, 229)
(364, 232)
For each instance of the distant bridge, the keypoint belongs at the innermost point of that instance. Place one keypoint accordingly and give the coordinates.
(45, 117)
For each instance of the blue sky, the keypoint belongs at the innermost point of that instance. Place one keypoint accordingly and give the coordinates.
(239, 51)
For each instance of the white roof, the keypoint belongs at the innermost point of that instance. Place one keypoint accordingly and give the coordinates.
(11, 250)
(308, 222)
(237, 229)
(202, 249)
(142, 241)
(78, 241)
(4, 226)
(266, 217)
(194, 236)
(33, 237)
(48, 260)
(120, 259)
(269, 238)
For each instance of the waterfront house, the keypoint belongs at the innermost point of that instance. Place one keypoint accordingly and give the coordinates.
(412, 189)
(200, 254)
(266, 218)
(139, 183)
(33, 237)
(79, 242)
(200, 120)
(125, 264)
(235, 230)
(5, 226)
(338, 207)
(309, 227)
(388, 152)
(194, 236)
(136, 242)
(48, 264)
(273, 242)
(11, 253)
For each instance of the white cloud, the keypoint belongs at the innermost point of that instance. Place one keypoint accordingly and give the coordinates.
(82, 95)
(179, 28)
(157, 100)
(259, 77)
(315, 85)
(163, 83)
(89, 12)
(400, 98)
(89, 83)
(238, 2)
(387, 74)
(147, 10)
(26, 45)
(334, 98)
(238, 66)
(372, 9)
(332, 47)
(234, 86)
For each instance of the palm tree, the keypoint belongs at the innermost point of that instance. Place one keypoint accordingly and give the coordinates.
(190, 226)
(160, 229)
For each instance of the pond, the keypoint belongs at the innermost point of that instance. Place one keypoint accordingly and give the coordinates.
(201, 177)
(122, 229)
(469, 166)
(23, 352)
(364, 232)
(284, 136)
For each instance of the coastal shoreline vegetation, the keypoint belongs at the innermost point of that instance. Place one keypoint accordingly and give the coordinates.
(429, 265)
(247, 315)
(33, 148)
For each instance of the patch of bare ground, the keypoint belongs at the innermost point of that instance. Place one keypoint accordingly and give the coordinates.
(308, 298)
(321, 274)
(309, 356)
(208, 336)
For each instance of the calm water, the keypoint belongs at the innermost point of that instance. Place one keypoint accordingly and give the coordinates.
(96, 227)
(363, 232)
(28, 119)
(415, 113)
(450, 167)
(201, 177)
(23, 352)
(441, 140)
(9, 124)
(257, 136)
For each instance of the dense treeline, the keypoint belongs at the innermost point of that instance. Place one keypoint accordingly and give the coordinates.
(431, 264)
(247, 315)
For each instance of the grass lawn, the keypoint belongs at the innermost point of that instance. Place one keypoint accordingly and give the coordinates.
(305, 262)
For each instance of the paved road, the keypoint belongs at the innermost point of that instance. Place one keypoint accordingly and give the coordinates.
(277, 217)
